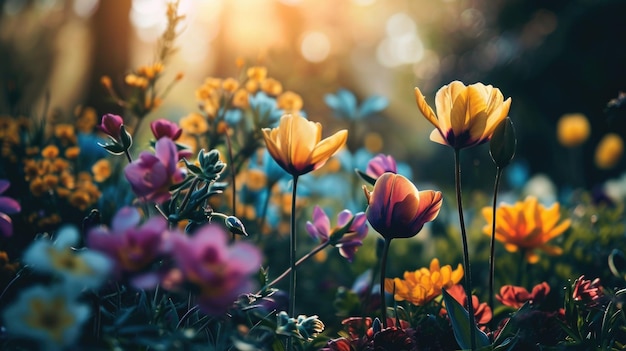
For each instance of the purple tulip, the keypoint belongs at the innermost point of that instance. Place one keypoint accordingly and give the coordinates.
(151, 176)
(7, 206)
(397, 209)
(132, 247)
(165, 128)
(381, 164)
(111, 125)
(219, 272)
(349, 242)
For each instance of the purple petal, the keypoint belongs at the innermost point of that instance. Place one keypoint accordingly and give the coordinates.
(166, 151)
(4, 185)
(6, 226)
(343, 218)
(321, 221)
(9, 205)
(244, 258)
(127, 217)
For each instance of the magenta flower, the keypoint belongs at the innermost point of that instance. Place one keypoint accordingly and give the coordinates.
(397, 209)
(165, 128)
(219, 272)
(381, 164)
(132, 247)
(7, 206)
(111, 125)
(151, 176)
(347, 240)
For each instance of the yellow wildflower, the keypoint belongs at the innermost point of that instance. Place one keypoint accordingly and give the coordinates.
(289, 101)
(50, 151)
(240, 99)
(194, 123)
(572, 129)
(230, 85)
(257, 73)
(72, 152)
(271, 87)
(101, 170)
(423, 285)
(609, 151)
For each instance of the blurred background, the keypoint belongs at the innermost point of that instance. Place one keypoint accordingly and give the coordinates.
(552, 58)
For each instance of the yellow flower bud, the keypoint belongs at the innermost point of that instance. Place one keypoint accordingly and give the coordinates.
(572, 129)
(609, 151)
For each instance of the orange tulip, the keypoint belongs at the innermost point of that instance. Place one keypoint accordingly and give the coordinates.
(466, 115)
(297, 145)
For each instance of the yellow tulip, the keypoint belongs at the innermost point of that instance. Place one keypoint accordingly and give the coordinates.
(297, 145)
(466, 115)
(527, 225)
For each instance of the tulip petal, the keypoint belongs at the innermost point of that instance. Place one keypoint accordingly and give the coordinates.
(327, 148)
(426, 110)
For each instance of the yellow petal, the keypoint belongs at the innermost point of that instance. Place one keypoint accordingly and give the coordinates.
(301, 141)
(436, 136)
(426, 110)
(328, 147)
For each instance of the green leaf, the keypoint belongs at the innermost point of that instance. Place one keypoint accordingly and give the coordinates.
(460, 320)
(365, 177)
(503, 143)
(115, 149)
(127, 139)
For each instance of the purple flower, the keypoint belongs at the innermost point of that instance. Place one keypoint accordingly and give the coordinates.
(381, 164)
(131, 246)
(165, 128)
(151, 176)
(219, 272)
(348, 239)
(111, 125)
(7, 206)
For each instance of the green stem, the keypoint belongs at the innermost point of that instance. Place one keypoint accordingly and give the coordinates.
(292, 258)
(466, 260)
(317, 249)
(194, 183)
(492, 257)
(383, 268)
(232, 175)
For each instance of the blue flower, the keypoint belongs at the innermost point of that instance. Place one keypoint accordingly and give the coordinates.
(344, 104)
(265, 110)
(80, 268)
(49, 315)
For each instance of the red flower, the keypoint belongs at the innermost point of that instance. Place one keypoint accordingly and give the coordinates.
(516, 296)
(482, 311)
(587, 291)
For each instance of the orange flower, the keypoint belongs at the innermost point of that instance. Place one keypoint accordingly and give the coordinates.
(423, 285)
(101, 170)
(572, 129)
(527, 225)
(609, 151)
(289, 101)
(466, 115)
(297, 145)
(194, 123)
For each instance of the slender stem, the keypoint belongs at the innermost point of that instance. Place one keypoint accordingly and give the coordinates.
(317, 249)
(383, 268)
(523, 267)
(232, 175)
(466, 260)
(194, 183)
(492, 256)
(128, 156)
(292, 258)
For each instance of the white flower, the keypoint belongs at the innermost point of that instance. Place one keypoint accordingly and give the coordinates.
(82, 268)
